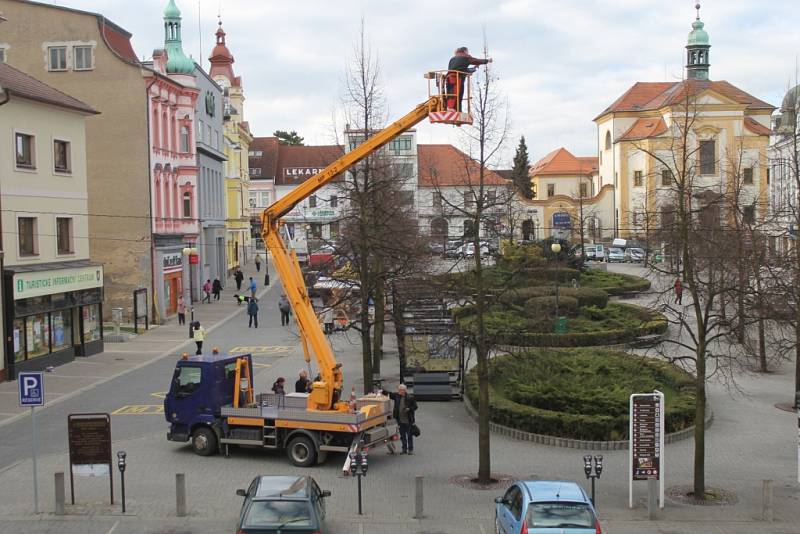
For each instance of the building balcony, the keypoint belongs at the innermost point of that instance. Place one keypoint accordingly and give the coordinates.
(176, 226)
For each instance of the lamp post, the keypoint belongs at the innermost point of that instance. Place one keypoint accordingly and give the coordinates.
(556, 249)
(188, 252)
(593, 473)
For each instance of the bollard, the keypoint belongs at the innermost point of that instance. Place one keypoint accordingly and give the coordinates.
(180, 494)
(61, 493)
(652, 499)
(418, 497)
(766, 500)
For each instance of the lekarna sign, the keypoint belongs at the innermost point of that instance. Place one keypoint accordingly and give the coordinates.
(31, 389)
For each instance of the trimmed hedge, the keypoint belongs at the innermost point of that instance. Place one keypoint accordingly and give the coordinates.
(580, 394)
(537, 307)
(587, 296)
(614, 283)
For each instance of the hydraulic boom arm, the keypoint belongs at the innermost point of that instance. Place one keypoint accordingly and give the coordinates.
(326, 392)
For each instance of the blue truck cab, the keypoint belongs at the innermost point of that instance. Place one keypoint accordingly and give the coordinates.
(200, 387)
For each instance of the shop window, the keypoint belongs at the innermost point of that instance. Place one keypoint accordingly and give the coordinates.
(184, 139)
(37, 335)
(747, 176)
(62, 329)
(18, 336)
(57, 58)
(64, 235)
(25, 150)
(61, 156)
(187, 205)
(91, 323)
(83, 57)
(26, 227)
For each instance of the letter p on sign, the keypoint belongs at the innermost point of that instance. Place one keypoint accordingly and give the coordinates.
(31, 389)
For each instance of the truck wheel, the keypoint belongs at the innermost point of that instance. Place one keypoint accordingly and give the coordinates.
(204, 441)
(302, 452)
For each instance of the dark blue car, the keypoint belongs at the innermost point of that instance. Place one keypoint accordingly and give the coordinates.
(545, 507)
(282, 505)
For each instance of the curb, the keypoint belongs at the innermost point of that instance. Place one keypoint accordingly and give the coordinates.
(170, 352)
(570, 443)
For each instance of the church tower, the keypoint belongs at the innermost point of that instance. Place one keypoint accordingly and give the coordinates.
(177, 62)
(697, 61)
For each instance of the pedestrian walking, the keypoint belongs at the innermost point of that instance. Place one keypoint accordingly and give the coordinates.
(216, 288)
(238, 275)
(252, 288)
(303, 384)
(199, 335)
(286, 310)
(252, 311)
(207, 292)
(258, 262)
(181, 310)
(404, 410)
(678, 291)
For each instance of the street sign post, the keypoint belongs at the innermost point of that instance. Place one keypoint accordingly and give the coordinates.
(31, 393)
(646, 446)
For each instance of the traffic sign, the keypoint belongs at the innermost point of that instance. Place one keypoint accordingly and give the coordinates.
(31, 389)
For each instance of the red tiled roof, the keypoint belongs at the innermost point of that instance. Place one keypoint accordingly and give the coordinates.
(295, 164)
(445, 165)
(561, 161)
(644, 128)
(268, 162)
(756, 127)
(644, 96)
(20, 84)
(118, 40)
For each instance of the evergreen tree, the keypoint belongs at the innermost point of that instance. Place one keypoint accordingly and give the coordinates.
(288, 138)
(519, 173)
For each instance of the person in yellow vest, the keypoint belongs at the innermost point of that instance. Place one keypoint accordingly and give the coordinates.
(199, 335)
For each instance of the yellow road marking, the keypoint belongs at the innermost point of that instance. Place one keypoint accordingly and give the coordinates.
(159, 394)
(140, 409)
(273, 349)
(264, 365)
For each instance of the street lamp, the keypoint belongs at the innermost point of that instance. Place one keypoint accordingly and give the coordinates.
(598, 469)
(556, 249)
(188, 252)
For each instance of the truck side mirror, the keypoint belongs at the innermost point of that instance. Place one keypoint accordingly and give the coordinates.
(326, 493)
(241, 493)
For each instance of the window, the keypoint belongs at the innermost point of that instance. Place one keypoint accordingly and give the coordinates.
(57, 58)
(334, 229)
(747, 176)
(253, 199)
(667, 217)
(749, 214)
(216, 139)
(666, 177)
(404, 171)
(64, 235)
(187, 205)
(768, 175)
(27, 236)
(187, 380)
(608, 140)
(312, 201)
(584, 189)
(436, 200)
(185, 139)
(551, 190)
(469, 199)
(334, 201)
(255, 153)
(638, 178)
(208, 133)
(255, 171)
(316, 230)
(406, 198)
(83, 57)
(37, 332)
(61, 156)
(2, 55)
(491, 197)
(708, 157)
(265, 198)
(400, 144)
(25, 151)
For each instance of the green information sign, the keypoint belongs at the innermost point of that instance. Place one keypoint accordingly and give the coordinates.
(35, 284)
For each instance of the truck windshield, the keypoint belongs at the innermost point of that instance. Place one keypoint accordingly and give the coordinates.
(187, 380)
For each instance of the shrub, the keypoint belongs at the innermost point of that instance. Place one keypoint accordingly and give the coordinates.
(537, 307)
(586, 296)
(614, 283)
(549, 275)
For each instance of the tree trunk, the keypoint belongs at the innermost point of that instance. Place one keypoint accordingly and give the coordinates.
(379, 325)
(484, 445)
(700, 424)
(740, 330)
(366, 341)
(762, 344)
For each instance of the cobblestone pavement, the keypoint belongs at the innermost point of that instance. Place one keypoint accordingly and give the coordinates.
(749, 441)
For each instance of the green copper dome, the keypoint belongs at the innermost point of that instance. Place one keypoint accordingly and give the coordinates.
(172, 11)
(698, 36)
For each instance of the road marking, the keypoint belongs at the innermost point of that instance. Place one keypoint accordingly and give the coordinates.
(113, 528)
(273, 349)
(264, 365)
(159, 394)
(140, 409)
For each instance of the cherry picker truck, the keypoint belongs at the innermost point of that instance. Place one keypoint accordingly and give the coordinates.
(211, 400)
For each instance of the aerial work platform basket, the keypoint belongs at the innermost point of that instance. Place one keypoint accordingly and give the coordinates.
(453, 105)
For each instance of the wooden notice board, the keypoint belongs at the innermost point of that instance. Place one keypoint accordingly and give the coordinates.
(89, 448)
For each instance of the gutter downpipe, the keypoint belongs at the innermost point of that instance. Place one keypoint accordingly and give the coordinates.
(6, 342)
(151, 219)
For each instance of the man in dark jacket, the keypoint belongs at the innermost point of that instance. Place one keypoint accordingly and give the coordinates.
(404, 407)
(460, 65)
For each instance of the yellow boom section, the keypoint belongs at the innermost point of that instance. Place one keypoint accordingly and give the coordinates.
(326, 392)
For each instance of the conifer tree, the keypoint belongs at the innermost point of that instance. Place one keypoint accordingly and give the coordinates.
(520, 171)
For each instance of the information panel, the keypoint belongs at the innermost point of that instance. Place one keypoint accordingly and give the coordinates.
(646, 437)
(89, 436)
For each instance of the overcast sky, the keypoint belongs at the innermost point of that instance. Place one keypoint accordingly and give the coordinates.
(560, 62)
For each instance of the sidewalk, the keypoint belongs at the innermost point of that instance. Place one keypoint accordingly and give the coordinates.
(159, 341)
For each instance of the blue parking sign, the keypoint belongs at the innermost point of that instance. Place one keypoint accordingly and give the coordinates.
(31, 389)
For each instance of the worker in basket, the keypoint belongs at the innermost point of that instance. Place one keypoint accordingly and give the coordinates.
(460, 65)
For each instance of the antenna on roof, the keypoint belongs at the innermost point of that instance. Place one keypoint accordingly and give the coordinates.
(200, 32)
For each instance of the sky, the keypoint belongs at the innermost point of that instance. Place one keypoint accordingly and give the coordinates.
(559, 63)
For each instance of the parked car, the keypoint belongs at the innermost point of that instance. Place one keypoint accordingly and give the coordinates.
(436, 248)
(545, 506)
(468, 250)
(634, 255)
(453, 249)
(615, 255)
(599, 253)
(274, 504)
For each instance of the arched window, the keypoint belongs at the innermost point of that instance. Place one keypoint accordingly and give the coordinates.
(155, 129)
(165, 132)
(187, 205)
(608, 140)
(184, 139)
